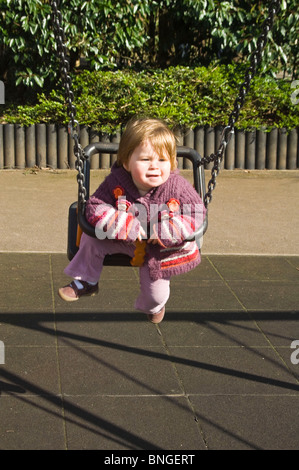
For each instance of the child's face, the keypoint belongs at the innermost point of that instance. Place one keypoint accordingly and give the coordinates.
(147, 168)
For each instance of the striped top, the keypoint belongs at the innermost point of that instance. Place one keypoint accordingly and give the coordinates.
(170, 212)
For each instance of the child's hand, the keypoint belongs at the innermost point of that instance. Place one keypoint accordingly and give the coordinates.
(141, 234)
(153, 239)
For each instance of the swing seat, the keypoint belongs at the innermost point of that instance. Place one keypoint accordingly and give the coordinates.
(77, 222)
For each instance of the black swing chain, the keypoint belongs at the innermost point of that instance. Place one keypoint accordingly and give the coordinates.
(228, 130)
(73, 126)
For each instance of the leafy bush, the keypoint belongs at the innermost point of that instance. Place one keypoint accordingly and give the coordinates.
(102, 34)
(182, 96)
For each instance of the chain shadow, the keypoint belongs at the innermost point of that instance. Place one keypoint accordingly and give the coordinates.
(116, 434)
(18, 319)
(103, 427)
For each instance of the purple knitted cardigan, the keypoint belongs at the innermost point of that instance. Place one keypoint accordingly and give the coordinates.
(174, 257)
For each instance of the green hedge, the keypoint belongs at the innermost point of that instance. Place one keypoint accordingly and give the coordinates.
(186, 97)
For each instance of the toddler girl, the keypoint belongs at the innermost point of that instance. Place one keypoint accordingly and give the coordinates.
(146, 210)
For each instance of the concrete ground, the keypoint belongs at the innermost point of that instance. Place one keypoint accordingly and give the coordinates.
(220, 372)
(252, 212)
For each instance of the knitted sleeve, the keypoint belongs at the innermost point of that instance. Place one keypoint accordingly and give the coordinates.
(111, 218)
(180, 216)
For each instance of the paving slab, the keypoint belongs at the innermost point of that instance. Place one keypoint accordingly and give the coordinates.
(30, 422)
(153, 423)
(249, 422)
(233, 370)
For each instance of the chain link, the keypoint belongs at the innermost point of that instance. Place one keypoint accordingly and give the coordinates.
(73, 125)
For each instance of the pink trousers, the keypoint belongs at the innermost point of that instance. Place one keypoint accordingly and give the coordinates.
(87, 265)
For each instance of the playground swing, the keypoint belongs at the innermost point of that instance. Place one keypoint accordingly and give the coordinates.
(77, 222)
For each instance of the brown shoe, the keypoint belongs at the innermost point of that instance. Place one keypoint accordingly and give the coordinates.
(71, 292)
(156, 317)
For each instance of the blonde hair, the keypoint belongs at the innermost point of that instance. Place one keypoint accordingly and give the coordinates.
(155, 131)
